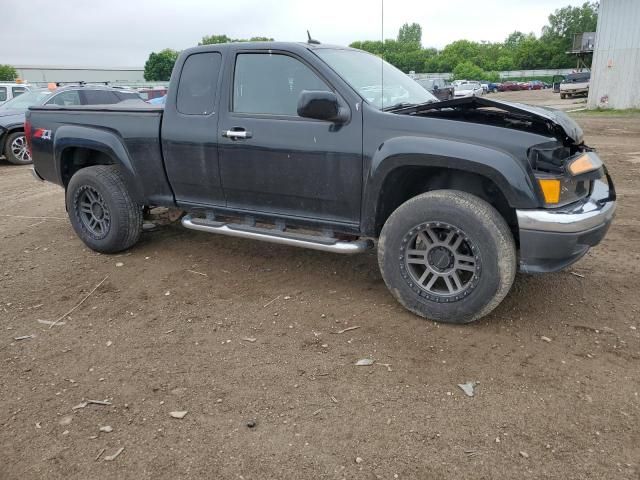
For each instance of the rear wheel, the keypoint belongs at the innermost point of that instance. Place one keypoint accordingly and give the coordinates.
(16, 149)
(448, 256)
(101, 210)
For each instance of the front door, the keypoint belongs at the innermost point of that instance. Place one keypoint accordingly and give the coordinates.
(275, 162)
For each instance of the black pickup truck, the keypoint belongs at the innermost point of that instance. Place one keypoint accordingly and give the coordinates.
(330, 148)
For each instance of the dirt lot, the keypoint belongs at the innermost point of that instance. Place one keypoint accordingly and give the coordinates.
(166, 331)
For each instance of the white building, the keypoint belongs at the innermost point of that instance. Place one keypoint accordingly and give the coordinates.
(46, 74)
(615, 70)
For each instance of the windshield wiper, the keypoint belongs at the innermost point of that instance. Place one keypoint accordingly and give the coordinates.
(396, 106)
(400, 106)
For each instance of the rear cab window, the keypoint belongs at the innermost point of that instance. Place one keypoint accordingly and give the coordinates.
(3, 94)
(198, 83)
(99, 97)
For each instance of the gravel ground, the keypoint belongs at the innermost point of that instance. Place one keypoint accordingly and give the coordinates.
(252, 340)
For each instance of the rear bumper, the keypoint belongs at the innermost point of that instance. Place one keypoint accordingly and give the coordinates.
(553, 239)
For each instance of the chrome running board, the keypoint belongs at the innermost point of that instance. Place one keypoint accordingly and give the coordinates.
(325, 244)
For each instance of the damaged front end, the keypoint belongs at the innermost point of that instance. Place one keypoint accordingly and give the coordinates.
(558, 186)
(578, 199)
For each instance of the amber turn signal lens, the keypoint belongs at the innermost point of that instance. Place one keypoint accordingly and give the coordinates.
(583, 164)
(550, 189)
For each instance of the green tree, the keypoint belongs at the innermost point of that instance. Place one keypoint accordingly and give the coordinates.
(410, 34)
(214, 39)
(518, 51)
(563, 24)
(514, 39)
(458, 52)
(566, 21)
(8, 73)
(468, 71)
(159, 65)
(505, 62)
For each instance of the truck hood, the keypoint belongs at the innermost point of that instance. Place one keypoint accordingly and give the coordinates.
(556, 121)
(558, 117)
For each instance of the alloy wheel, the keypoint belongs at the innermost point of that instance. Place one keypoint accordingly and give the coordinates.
(93, 212)
(442, 262)
(20, 150)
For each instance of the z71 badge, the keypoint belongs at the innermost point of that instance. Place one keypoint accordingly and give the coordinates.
(42, 133)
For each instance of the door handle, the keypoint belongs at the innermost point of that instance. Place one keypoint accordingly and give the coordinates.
(235, 134)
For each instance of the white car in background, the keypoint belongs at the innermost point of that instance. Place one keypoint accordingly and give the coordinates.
(10, 90)
(469, 89)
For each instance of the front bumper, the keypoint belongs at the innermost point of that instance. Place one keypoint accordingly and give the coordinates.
(552, 239)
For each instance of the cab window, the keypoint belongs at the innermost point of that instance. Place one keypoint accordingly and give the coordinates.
(99, 97)
(267, 83)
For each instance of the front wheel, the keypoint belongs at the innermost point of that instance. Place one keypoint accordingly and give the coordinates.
(101, 209)
(448, 256)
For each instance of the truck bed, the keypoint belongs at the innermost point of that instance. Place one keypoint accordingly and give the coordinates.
(133, 129)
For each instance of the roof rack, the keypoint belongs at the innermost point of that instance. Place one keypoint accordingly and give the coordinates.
(82, 83)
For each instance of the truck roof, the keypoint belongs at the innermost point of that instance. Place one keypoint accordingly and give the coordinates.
(288, 46)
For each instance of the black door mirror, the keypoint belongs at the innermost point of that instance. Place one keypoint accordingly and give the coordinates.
(321, 106)
(436, 88)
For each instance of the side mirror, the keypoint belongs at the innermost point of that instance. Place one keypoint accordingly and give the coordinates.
(436, 88)
(321, 105)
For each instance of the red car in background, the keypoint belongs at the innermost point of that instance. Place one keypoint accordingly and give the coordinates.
(510, 87)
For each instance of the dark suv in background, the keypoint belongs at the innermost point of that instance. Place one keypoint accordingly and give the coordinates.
(438, 87)
(13, 144)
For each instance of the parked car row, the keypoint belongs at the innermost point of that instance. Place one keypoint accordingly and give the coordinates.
(510, 86)
(443, 90)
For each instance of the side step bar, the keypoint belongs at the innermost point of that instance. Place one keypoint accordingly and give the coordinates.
(325, 244)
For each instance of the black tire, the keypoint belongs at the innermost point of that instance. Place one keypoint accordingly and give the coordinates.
(485, 234)
(18, 157)
(121, 222)
(563, 96)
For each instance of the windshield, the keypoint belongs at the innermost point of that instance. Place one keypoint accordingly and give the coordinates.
(468, 86)
(379, 83)
(25, 100)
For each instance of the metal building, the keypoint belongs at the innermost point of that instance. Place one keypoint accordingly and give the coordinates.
(615, 70)
(46, 74)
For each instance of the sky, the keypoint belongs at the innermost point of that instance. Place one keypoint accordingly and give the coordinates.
(109, 33)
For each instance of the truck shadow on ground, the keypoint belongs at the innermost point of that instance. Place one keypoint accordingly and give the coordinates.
(355, 277)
